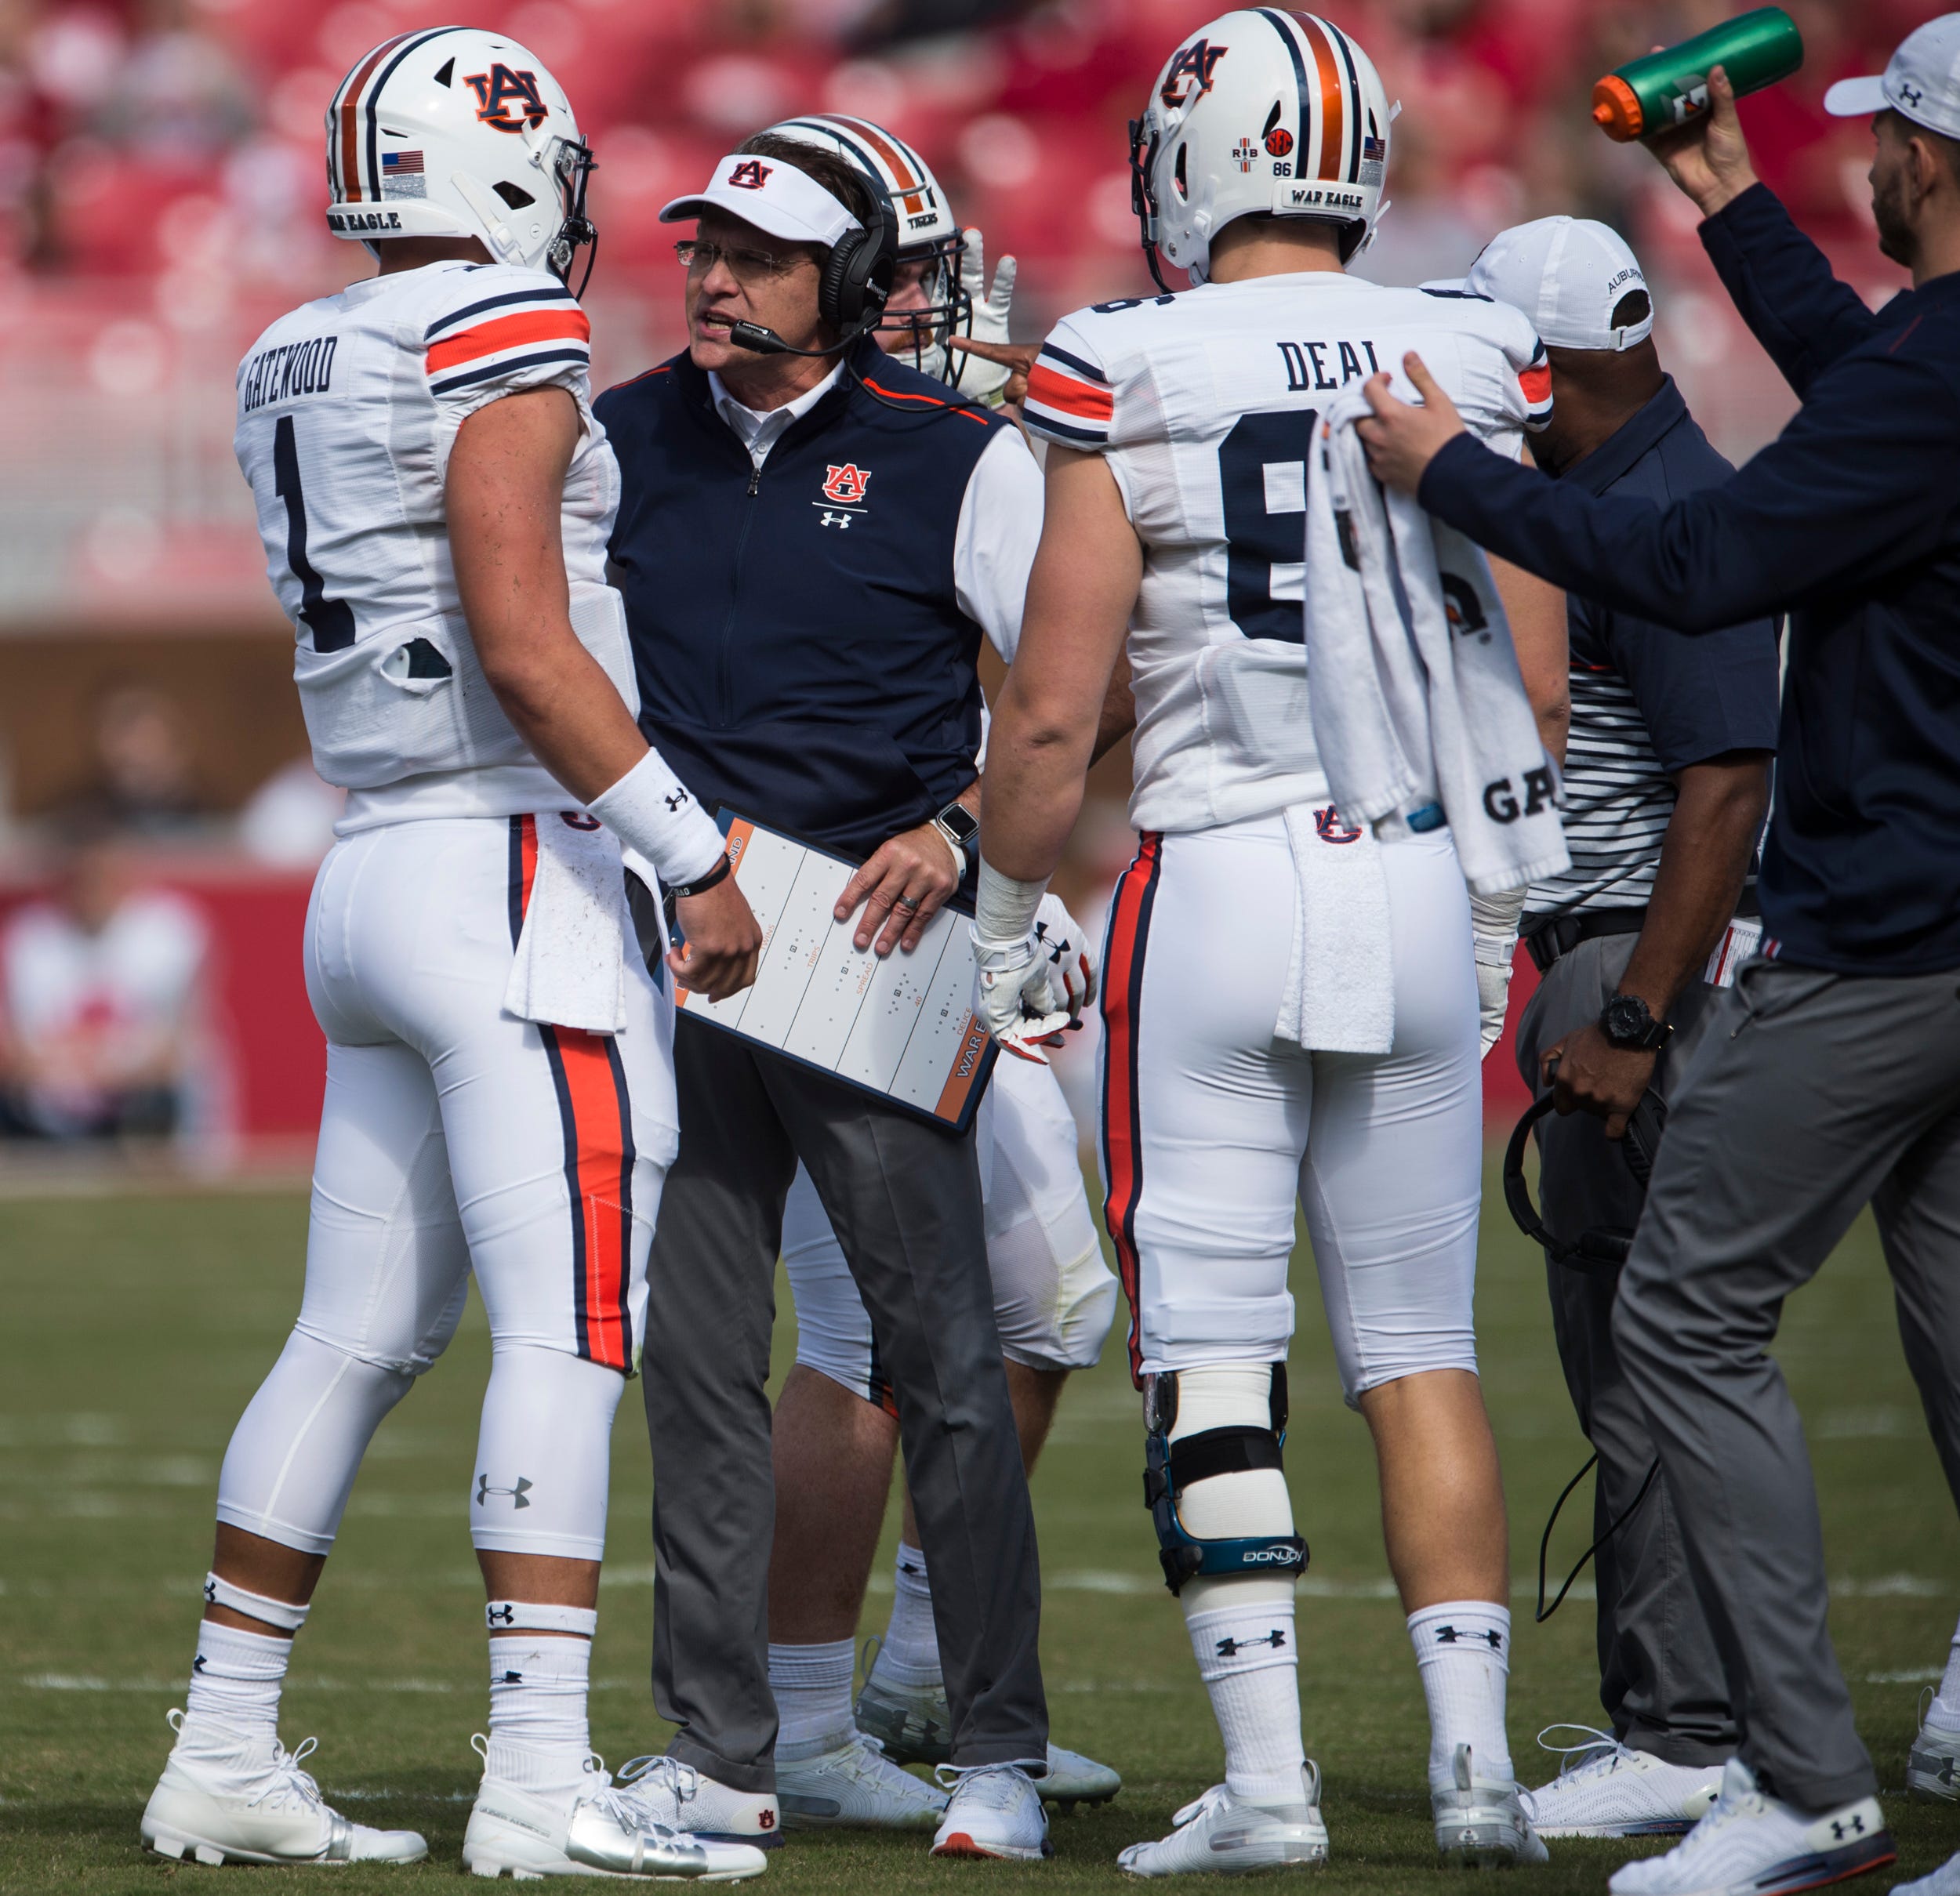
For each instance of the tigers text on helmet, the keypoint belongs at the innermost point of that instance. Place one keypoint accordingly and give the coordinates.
(454, 132)
(928, 233)
(1260, 111)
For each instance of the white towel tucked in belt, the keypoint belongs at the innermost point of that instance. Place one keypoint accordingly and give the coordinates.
(570, 966)
(1419, 712)
(1339, 996)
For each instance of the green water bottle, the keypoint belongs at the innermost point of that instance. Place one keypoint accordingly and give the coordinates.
(1671, 88)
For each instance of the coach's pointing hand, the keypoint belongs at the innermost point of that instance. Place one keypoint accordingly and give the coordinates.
(1401, 438)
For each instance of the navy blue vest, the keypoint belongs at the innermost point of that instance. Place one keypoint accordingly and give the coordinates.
(802, 655)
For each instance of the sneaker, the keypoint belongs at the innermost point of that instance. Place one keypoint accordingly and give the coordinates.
(1480, 1820)
(1944, 1881)
(1607, 1789)
(852, 1784)
(1750, 1844)
(1073, 1779)
(229, 1799)
(994, 1811)
(912, 1724)
(662, 1790)
(1225, 1835)
(591, 1832)
(1934, 1759)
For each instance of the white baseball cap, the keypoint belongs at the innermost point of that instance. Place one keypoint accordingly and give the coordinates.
(1568, 274)
(773, 196)
(1922, 80)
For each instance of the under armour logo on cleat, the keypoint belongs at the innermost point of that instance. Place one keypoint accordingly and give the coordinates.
(1841, 1829)
(1277, 1639)
(484, 1491)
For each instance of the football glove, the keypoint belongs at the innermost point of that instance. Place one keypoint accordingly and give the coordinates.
(1065, 942)
(1493, 929)
(985, 380)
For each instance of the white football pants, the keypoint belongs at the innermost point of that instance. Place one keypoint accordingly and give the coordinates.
(456, 1139)
(1212, 1129)
(1054, 1297)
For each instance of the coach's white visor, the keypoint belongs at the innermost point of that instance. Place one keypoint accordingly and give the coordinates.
(773, 196)
(1922, 80)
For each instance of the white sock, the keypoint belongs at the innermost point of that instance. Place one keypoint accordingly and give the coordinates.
(1945, 1710)
(911, 1649)
(1463, 1650)
(812, 1689)
(539, 1738)
(1250, 1663)
(234, 1684)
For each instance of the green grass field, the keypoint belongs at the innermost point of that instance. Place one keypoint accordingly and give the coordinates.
(135, 1328)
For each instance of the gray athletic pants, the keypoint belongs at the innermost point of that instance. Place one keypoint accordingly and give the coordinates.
(1812, 1094)
(904, 1197)
(1661, 1677)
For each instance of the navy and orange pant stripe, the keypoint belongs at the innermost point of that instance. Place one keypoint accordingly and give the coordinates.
(1122, 1118)
(596, 1114)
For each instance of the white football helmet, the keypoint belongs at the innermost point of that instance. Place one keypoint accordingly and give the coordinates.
(928, 232)
(1260, 111)
(455, 132)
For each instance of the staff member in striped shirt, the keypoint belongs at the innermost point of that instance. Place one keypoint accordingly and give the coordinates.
(1667, 781)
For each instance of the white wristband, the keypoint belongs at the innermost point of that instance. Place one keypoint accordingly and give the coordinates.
(1003, 910)
(652, 810)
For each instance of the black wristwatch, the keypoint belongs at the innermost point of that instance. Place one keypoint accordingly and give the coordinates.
(1627, 1022)
(961, 829)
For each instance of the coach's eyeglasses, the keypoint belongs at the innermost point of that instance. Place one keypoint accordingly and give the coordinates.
(698, 257)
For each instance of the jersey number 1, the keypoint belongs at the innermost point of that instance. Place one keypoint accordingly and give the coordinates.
(331, 620)
(1265, 519)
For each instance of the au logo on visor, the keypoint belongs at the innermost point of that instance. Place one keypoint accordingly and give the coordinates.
(750, 175)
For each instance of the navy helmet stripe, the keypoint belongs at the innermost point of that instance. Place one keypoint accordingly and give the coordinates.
(372, 182)
(1283, 24)
(1355, 110)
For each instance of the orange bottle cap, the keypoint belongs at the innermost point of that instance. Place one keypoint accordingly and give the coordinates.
(1616, 110)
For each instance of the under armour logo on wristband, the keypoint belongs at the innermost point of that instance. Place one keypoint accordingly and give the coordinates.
(1277, 1639)
(674, 801)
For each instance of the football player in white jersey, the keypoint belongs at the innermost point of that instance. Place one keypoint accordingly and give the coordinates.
(1180, 428)
(836, 1431)
(435, 499)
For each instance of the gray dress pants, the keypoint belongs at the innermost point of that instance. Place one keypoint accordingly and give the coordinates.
(1812, 1094)
(904, 1197)
(1661, 1677)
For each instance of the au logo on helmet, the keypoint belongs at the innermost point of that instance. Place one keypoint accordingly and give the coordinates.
(1194, 62)
(498, 89)
(750, 175)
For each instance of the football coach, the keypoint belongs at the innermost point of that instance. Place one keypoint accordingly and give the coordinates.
(812, 541)
(1832, 1075)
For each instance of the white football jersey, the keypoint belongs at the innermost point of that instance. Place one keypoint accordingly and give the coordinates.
(1204, 405)
(348, 408)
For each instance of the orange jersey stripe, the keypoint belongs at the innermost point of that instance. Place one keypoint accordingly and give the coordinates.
(1537, 383)
(1121, 984)
(1069, 396)
(601, 1213)
(558, 325)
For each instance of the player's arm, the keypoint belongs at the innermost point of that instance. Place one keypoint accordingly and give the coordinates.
(504, 492)
(1536, 610)
(1052, 707)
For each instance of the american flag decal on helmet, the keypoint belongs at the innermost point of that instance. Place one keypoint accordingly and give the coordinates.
(400, 163)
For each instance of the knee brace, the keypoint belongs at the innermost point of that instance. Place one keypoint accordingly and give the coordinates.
(1229, 1427)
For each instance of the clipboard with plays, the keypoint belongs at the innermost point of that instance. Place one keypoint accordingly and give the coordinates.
(902, 1027)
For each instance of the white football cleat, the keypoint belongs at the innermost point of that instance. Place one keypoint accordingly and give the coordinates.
(1751, 1844)
(1934, 1762)
(995, 1811)
(662, 1790)
(225, 1798)
(1222, 1836)
(912, 1724)
(1944, 1881)
(1481, 1820)
(592, 1832)
(853, 1784)
(1608, 1789)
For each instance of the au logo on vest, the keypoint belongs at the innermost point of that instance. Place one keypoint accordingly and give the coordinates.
(844, 486)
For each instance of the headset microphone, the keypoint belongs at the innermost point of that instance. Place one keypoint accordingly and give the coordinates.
(767, 342)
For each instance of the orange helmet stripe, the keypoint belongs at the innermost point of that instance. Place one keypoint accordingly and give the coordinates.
(349, 108)
(1328, 74)
(904, 180)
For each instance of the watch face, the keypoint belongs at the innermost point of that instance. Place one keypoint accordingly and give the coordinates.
(961, 820)
(1627, 1018)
